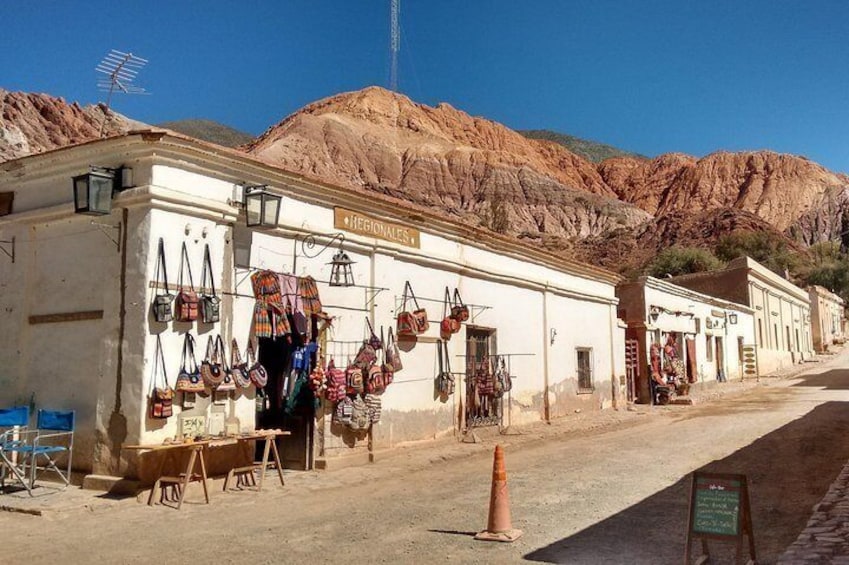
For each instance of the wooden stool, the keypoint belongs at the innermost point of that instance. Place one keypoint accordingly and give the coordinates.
(178, 485)
(245, 476)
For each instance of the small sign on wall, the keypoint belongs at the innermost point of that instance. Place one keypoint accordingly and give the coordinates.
(355, 222)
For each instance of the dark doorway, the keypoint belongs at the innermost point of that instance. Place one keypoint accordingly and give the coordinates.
(481, 408)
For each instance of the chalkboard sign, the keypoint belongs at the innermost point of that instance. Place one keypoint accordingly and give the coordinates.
(719, 510)
(716, 506)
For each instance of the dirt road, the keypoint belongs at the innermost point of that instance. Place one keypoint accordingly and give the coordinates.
(611, 495)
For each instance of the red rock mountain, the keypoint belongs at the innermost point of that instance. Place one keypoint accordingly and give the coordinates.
(480, 171)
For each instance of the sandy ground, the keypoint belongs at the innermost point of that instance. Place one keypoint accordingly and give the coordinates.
(607, 488)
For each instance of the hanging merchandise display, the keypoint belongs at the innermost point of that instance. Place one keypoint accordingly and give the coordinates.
(485, 379)
(392, 354)
(344, 411)
(360, 417)
(161, 397)
(371, 337)
(444, 383)
(290, 288)
(210, 367)
(354, 379)
(269, 312)
(415, 322)
(256, 372)
(367, 353)
(189, 379)
(336, 382)
(238, 368)
(228, 383)
(503, 381)
(376, 379)
(210, 304)
(162, 303)
(449, 324)
(373, 403)
(459, 311)
(318, 380)
(308, 291)
(187, 300)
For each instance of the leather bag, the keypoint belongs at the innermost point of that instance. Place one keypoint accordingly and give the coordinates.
(161, 397)
(238, 368)
(189, 379)
(444, 384)
(210, 304)
(411, 322)
(163, 310)
(256, 372)
(187, 300)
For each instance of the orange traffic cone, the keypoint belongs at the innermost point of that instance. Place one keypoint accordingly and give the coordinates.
(499, 527)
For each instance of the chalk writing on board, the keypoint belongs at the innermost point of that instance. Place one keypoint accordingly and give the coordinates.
(717, 507)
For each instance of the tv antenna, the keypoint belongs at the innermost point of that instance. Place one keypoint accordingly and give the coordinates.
(394, 43)
(120, 70)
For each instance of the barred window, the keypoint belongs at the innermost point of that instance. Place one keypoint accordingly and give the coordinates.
(585, 369)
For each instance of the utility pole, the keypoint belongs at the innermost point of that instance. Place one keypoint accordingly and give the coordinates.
(394, 43)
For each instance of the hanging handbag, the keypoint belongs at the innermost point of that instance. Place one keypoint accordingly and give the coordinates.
(210, 304)
(392, 354)
(210, 367)
(336, 383)
(415, 322)
(228, 383)
(365, 357)
(238, 368)
(459, 311)
(162, 303)
(502, 376)
(189, 379)
(256, 372)
(360, 416)
(161, 398)
(371, 338)
(318, 381)
(485, 380)
(373, 403)
(354, 379)
(187, 300)
(376, 381)
(444, 380)
(448, 326)
(344, 412)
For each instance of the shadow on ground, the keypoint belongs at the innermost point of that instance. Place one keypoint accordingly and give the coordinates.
(789, 470)
(837, 379)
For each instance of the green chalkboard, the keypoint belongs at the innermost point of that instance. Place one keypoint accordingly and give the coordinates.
(716, 506)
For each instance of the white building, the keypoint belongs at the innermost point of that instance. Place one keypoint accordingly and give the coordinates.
(828, 315)
(75, 306)
(711, 334)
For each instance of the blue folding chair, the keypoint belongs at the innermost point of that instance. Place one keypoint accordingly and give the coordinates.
(13, 431)
(52, 438)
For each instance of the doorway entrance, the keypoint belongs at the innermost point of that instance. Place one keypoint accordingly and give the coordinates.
(481, 408)
(720, 360)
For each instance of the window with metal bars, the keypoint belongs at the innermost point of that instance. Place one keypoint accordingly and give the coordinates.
(585, 369)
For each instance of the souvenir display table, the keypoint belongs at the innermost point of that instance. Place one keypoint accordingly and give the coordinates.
(195, 469)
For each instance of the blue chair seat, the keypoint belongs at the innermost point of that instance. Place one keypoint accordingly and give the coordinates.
(36, 449)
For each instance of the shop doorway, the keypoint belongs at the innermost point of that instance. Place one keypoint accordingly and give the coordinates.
(632, 368)
(481, 407)
(740, 356)
(720, 360)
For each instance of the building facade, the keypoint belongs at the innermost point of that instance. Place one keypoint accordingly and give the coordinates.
(710, 334)
(75, 306)
(782, 310)
(828, 318)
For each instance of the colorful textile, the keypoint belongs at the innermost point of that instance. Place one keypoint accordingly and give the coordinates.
(308, 291)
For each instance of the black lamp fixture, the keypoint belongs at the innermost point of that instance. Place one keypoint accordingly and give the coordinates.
(654, 313)
(262, 208)
(732, 318)
(93, 191)
(340, 265)
(340, 269)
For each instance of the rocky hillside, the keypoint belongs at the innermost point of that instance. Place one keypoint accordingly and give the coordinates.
(589, 150)
(32, 123)
(471, 168)
(210, 131)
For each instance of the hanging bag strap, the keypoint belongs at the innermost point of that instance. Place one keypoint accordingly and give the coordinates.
(185, 266)
(161, 265)
(447, 360)
(207, 271)
(439, 346)
(184, 356)
(457, 300)
(446, 303)
(190, 354)
(411, 296)
(221, 354)
(235, 356)
(159, 364)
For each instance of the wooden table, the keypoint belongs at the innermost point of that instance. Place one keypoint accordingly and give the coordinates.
(270, 448)
(196, 451)
(182, 481)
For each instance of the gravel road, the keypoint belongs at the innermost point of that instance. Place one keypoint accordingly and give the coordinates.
(615, 493)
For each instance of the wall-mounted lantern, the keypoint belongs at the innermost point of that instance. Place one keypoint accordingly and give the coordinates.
(654, 313)
(93, 191)
(340, 269)
(262, 209)
(732, 318)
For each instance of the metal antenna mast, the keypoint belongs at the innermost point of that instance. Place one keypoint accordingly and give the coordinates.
(121, 70)
(394, 43)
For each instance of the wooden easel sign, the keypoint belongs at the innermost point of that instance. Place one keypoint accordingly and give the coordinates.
(719, 510)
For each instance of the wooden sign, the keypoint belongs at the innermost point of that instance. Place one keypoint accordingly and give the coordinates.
(750, 361)
(355, 222)
(719, 510)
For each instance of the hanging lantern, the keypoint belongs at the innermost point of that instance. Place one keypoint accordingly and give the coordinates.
(262, 209)
(340, 270)
(732, 319)
(93, 192)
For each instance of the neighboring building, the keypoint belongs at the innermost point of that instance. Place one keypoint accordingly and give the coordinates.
(710, 333)
(828, 316)
(782, 309)
(75, 306)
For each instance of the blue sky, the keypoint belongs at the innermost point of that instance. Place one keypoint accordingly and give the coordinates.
(650, 77)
